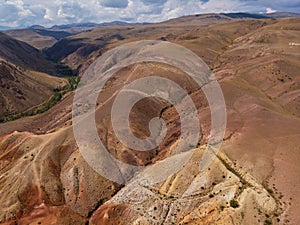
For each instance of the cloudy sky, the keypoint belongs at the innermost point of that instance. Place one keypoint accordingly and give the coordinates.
(22, 13)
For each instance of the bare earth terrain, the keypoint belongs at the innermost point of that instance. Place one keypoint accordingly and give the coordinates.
(253, 180)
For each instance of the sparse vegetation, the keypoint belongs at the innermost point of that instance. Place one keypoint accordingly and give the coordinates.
(271, 192)
(57, 96)
(234, 203)
(268, 222)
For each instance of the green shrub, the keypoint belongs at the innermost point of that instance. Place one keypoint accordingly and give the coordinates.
(234, 203)
(268, 222)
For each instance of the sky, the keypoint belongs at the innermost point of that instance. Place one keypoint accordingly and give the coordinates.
(24, 13)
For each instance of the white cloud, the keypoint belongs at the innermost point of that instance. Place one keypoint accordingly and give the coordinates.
(48, 13)
(269, 10)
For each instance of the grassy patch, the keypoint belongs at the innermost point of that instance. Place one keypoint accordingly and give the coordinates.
(57, 96)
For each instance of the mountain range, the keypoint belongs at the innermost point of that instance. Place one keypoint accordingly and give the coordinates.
(254, 179)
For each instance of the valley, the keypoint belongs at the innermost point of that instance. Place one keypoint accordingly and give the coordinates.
(254, 178)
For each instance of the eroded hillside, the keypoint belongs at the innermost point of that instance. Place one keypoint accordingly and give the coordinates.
(254, 179)
(25, 92)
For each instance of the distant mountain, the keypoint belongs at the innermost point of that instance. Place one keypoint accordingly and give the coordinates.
(283, 15)
(37, 36)
(245, 15)
(74, 26)
(5, 28)
(37, 27)
(210, 18)
(55, 34)
(42, 37)
(80, 27)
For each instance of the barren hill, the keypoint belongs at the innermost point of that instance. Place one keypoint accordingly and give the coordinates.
(38, 38)
(23, 91)
(80, 50)
(24, 55)
(254, 179)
